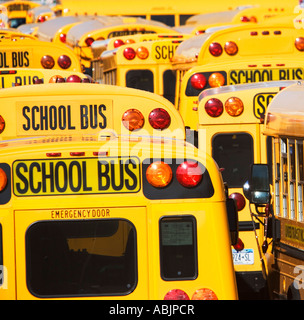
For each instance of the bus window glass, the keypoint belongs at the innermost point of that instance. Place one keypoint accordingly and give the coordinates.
(178, 254)
(292, 177)
(300, 179)
(284, 175)
(167, 19)
(140, 79)
(1, 259)
(234, 153)
(70, 258)
(183, 18)
(169, 81)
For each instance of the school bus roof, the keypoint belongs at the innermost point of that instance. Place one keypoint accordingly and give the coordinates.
(47, 30)
(251, 40)
(285, 114)
(80, 101)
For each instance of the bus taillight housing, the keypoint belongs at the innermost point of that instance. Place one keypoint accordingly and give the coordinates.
(47, 62)
(3, 180)
(215, 49)
(234, 106)
(62, 37)
(176, 294)
(216, 79)
(159, 174)
(231, 48)
(159, 119)
(204, 294)
(133, 119)
(189, 174)
(198, 81)
(129, 53)
(118, 43)
(214, 107)
(64, 61)
(299, 43)
(142, 53)
(2, 124)
(239, 200)
(88, 41)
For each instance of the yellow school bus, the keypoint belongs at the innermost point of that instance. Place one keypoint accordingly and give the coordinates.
(28, 53)
(13, 34)
(278, 187)
(191, 83)
(172, 14)
(230, 122)
(84, 109)
(17, 11)
(81, 36)
(11, 77)
(142, 65)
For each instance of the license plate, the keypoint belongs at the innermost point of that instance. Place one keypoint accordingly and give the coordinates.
(21, 77)
(244, 256)
(15, 58)
(259, 75)
(63, 117)
(44, 177)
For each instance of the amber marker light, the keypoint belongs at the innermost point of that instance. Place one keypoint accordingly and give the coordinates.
(299, 43)
(47, 62)
(216, 80)
(231, 48)
(3, 179)
(133, 119)
(234, 106)
(142, 53)
(204, 294)
(159, 174)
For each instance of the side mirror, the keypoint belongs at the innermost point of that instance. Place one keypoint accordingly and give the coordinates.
(233, 219)
(257, 189)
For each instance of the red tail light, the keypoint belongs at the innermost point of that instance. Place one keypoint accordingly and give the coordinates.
(2, 124)
(118, 43)
(176, 294)
(89, 41)
(245, 19)
(239, 200)
(214, 107)
(73, 78)
(3, 179)
(239, 246)
(47, 62)
(62, 37)
(159, 119)
(56, 79)
(41, 19)
(189, 174)
(215, 49)
(198, 81)
(129, 53)
(64, 61)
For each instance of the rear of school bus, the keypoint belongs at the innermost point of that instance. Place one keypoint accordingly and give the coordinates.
(251, 53)
(27, 53)
(85, 109)
(64, 235)
(143, 65)
(230, 124)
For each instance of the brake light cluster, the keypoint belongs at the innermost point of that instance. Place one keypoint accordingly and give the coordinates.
(141, 52)
(71, 78)
(200, 294)
(199, 81)
(233, 106)
(88, 41)
(133, 119)
(230, 48)
(48, 62)
(159, 174)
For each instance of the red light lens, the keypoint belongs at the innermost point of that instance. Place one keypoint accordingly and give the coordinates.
(159, 119)
(214, 107)
(64, 62)
(239, 246)
(2, 124)
(89, 41)
(176, 294)
(129, 53)
(118, 43)
(73, 78)
(239, 200)
(62, 37)
(47, 62)
(189, 174)
(299, 43)
(215, 49)
(244, 19)
(198, 81)
(3, 180)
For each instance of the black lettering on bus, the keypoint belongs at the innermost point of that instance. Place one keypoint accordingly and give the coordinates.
(34, 126)
(93, 116)
(103, 175)
(131, 175)
(120, 175)
(32, 174)
(26, 58)
(21, 189)
(102, 124)
(158, 55)
(72, 176)
(47, 176)
(298, 74)
(61, 173)
(266, 75)
(70, 126)
(26, 110)
(44, 118)
(84, 121)
(3, 63)
(84, 177)
(53, 117)
(234, 80)
(62, 117)
(282, 74)
(241, 73)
